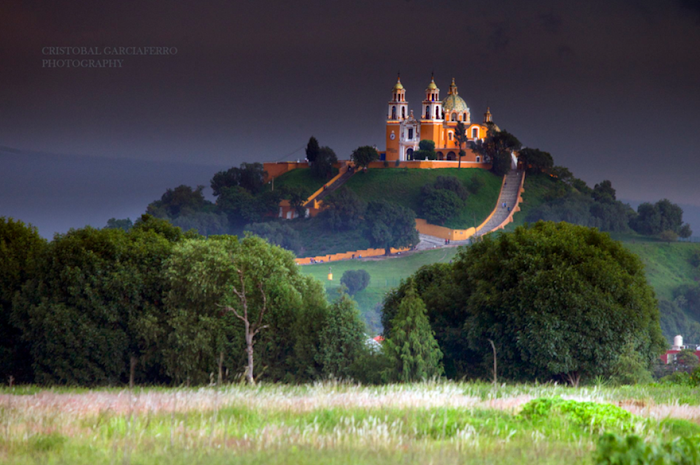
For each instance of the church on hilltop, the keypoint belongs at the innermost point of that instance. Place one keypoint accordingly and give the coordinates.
(437, 122)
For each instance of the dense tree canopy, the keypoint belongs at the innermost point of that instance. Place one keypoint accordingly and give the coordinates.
(20, 245)
(92, 306)
(345, 210)
(363, 156)
(355, 280)
(653, 219)
(390, 225)
(559, 301)
(497, 148)
(426, 150)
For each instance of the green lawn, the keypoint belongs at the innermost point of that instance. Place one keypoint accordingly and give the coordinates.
(301, 177)
(334, 423)
(384, 275)
(403, 186)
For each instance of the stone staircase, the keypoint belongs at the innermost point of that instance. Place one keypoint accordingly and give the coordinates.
(509, 196)
(336, 184)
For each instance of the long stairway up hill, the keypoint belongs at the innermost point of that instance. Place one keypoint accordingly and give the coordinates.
(336, 184)
(509, 197)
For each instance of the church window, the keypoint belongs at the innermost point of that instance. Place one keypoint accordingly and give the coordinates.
(475, 133)
(449, 135)
(393, 112)
(478, 159)
(410, 133)
(465, 116)
(403, 112)
(453, 117)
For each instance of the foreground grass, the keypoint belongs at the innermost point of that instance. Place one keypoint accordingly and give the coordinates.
(439, 423)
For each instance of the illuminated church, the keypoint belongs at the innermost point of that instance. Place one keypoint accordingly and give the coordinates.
(437, 122)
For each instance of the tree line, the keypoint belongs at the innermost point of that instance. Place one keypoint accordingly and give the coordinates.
(154, 305)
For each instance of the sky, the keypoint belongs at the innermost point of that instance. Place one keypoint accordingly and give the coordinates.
(609, 88)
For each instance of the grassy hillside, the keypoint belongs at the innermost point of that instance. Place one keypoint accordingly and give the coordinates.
(403, 186)
(384, 275)
(301, 177)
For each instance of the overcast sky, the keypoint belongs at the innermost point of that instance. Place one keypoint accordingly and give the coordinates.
(610, 88)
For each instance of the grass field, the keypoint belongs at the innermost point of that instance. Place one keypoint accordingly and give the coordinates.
(403, 186)
(384, 275)
(301, 177)
(437, 423)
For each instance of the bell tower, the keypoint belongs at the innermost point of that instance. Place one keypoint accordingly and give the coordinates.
(431, 115)
(396, 113)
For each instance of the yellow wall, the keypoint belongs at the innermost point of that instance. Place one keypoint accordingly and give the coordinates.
(277, 169)
(346, 256)
(424, 227)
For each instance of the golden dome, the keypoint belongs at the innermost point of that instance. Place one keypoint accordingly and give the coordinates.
(398, 85)
(432, 85)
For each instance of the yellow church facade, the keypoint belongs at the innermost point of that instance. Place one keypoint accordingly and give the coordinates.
(437, 122)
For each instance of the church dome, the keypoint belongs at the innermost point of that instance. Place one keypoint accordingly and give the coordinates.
(453, 102)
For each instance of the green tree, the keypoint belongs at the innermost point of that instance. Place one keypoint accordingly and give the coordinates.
(497, 148)
(411, 343)
(535, 160)
(249, 176)
(125, 224)
(558, 300)
(426, 150)
(312, 150)
(653, 219)
(277, 233)
(345, 210)
(439, 205)
(355, 280)
(604, 192)
(94, 305)
(255, 282)
(668, 236)
(342, 338)
(363, 156)
(686, 360)
(390, 225)
(176, 201)
(20, 245)
(461, 137)
(322, 166)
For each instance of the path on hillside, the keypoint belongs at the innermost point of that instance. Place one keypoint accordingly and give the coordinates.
(336, 184)
(509, 197)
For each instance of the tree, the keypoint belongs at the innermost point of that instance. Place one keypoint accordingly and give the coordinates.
(535, 160)
(390, 225)
(604, 192)
(439, 205)
(686, 360)
(125, 224)
(249, 176)
(355, 281)
(322, 166)
(297, 196)
(344, 211)
(342, 338)
(20, 246)
(426, 150)
(277, 233)
(497, 148)
(94, 305)
(312, 150)
(668, 236)
(461, 137)
(652, 219)
(411, 343)
(558, 300)
(363, 156)
(250, 279)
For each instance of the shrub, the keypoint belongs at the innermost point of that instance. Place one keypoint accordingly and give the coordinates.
(355, 280)
(633, 450)
(597, 416)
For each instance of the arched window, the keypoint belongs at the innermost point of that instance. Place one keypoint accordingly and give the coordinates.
(393, 112)
(427, 112)
(453, 117)
(437, 113)
(475, 133)
(449, 135)
(478, 159)
(403, 112)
